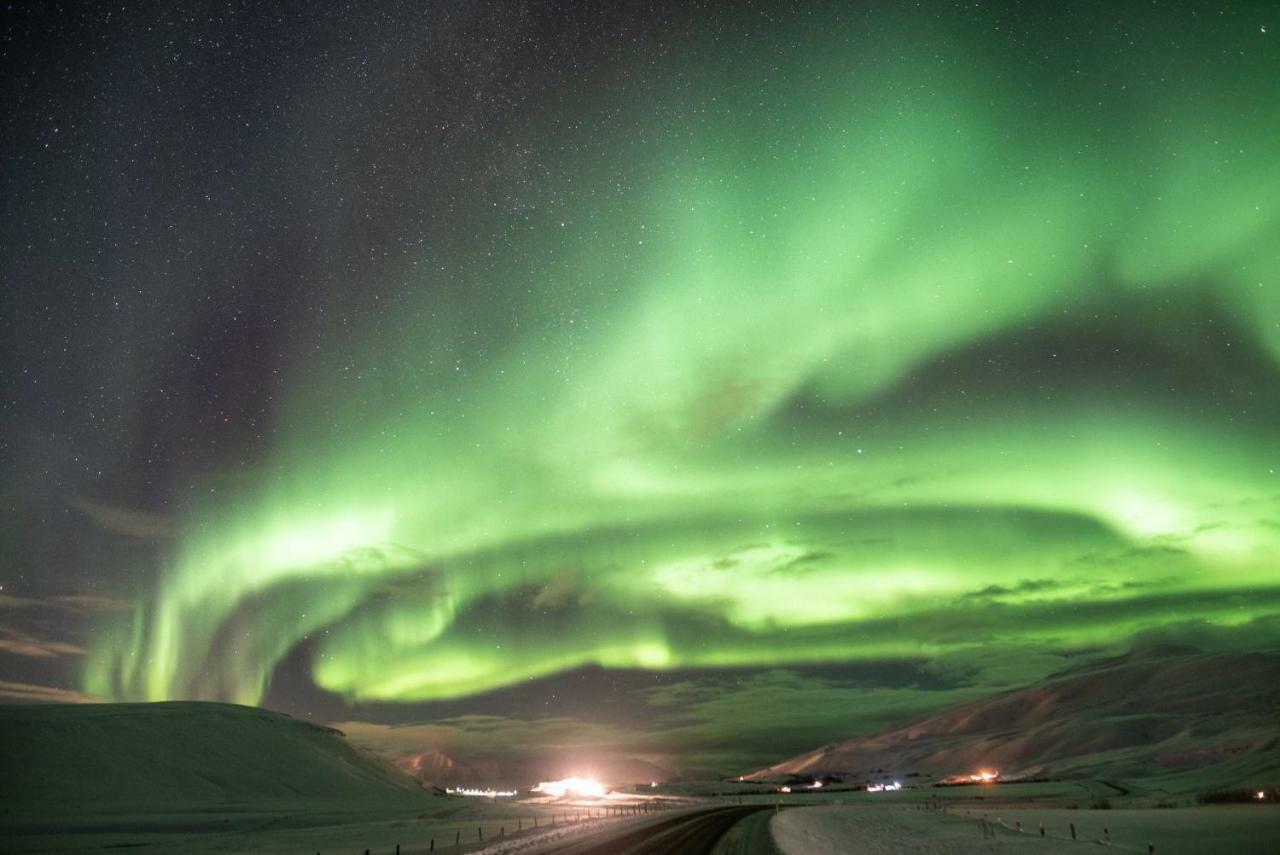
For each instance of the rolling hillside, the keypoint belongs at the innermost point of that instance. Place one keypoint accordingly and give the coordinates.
(171, 753)
(1196, 720)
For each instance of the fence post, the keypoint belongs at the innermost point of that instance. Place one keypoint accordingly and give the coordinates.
(457, 837)
(1042, 829)
(479, 835)
(1073, 831)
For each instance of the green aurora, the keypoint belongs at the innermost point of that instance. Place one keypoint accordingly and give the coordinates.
(865, 339)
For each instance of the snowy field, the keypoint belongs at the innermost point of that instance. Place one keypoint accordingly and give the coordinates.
(871, 830)
(474, 824)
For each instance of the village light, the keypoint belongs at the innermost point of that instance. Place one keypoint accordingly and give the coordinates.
(478, 793)
(570, 787)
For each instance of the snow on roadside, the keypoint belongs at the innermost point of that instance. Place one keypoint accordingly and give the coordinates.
(839, 829)
(534, 841)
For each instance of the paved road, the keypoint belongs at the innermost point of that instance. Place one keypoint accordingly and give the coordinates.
(751, 836)
(693, 833)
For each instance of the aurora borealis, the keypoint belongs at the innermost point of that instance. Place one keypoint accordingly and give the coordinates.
(429, 352)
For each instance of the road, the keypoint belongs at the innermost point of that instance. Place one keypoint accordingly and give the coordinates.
(689, 833)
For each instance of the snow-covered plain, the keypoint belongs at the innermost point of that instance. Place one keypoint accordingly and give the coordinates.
(869, 830)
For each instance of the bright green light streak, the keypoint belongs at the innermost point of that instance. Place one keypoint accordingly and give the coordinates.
(686, 429)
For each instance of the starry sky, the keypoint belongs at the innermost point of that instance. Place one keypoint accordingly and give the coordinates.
(515, 382)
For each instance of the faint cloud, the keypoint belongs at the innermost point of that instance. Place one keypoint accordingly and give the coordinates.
(96, 603)
(90, 603)
(804, 563)
(140, 525)
(1158, 553)
(1260, 633)
(561, 590)
(34, 694)
(1025, 586)
(19, 643)
(1159, 583)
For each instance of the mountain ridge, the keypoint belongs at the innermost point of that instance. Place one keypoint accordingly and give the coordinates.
(1149, 713)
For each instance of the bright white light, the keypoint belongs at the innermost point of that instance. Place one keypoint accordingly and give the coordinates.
(1261, 795)
(475, 793)
(570, 787)
(816, 785)
(784, 789)
(984, 776)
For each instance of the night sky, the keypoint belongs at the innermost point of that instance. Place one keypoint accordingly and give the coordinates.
(690, 383)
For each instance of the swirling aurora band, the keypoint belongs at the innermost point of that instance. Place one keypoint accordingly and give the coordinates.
(853, 354)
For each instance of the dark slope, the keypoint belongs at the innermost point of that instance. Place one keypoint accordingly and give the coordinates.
(181, 753)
